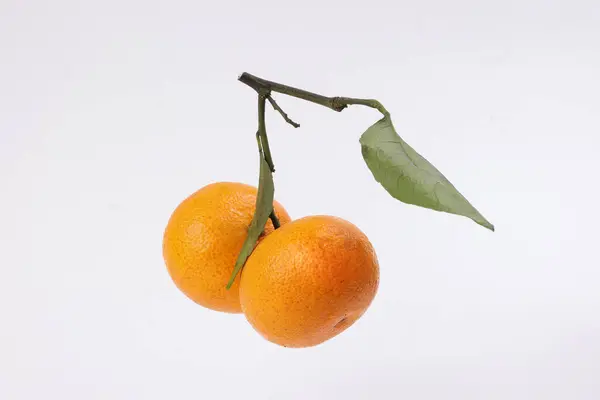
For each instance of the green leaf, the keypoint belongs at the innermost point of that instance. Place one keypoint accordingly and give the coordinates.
(264, 207)
(408, 176)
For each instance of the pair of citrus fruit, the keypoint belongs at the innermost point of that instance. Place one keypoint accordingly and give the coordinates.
(303, 284)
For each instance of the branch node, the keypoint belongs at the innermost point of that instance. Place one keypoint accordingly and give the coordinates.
(337, 104)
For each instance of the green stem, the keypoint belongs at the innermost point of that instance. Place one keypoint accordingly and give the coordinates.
(335, 103)
(262, 131)
(264, 201)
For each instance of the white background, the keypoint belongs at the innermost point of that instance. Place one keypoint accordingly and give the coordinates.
(111, 112)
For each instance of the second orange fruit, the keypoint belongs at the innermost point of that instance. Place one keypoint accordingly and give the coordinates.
(308, 281)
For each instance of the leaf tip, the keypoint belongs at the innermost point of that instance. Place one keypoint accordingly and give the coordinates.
(487, 224)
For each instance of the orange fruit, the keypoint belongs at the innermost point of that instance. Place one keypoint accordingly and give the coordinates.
(203, 238)
(309, 281)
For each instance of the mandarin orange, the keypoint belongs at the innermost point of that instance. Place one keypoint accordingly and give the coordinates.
(203, 238)
(309, 281)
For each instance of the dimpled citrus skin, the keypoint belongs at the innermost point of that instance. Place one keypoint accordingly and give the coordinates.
(203, 238)
(309, 281)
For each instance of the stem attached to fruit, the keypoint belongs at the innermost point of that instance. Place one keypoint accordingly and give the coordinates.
(275, 220)
(334, 103)
(264, 201)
